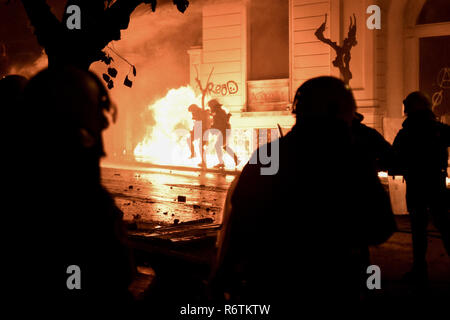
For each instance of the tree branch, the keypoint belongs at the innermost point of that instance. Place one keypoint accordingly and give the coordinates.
(46, 26)
(100, 26)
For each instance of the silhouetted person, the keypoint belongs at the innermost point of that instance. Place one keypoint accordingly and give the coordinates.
(372, 143)
(293, 239)
(421, 156)
(221, 122)
(201, 118)
(70, 219)
(376, 151)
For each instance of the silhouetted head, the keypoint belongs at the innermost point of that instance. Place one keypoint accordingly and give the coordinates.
(417, 103)
(193, 107)
(68, 109)
(214, 104)
(324, 99)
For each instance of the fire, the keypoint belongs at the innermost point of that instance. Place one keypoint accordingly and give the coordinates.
(167, 140)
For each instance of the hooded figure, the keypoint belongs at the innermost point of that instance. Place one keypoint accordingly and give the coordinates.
(421, 156)
(221, 124)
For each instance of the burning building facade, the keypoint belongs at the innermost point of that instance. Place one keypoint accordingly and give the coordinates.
(386, 63)
(253, 55)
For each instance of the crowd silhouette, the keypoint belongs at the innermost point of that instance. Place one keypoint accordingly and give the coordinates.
(300, 236)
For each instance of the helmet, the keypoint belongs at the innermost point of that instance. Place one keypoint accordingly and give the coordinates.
(324, 98)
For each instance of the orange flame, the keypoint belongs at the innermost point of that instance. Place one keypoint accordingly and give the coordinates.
(168, 141)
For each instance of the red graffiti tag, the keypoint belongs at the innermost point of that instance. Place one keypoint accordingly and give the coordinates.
(231, 87)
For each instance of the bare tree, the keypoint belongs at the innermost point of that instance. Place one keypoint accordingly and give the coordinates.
(343, 55)
(101, 23)
(203, 90)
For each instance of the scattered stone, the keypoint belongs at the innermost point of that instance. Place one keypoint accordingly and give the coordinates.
(208, 209)
(173, 215)
(181, 198)
(176, 221)
(165, 213)
(117, 174)
(130, 187)
(196, 206)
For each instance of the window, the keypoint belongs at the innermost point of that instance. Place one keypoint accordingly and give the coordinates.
(434, 11)
(269, 40)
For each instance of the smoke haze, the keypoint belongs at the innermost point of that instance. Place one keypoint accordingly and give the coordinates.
(156, 43)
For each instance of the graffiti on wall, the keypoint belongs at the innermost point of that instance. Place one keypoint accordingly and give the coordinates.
(267, 96)
(443, 82)
(231, 87)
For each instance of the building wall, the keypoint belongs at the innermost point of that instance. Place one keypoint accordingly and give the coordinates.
(364, 62)
(224, 52)
(380, 56)
(402, 49)
(309, 56)
(384, 63)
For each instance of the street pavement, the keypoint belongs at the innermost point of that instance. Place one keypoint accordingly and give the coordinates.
(158, 198)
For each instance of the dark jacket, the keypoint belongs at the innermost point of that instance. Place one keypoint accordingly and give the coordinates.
(372, 144)
(420, 148)
(221, 119)
(300, 229)
(199, 114)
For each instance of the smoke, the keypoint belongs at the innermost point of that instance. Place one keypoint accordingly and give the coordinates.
(30, 69)
(156, 43)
